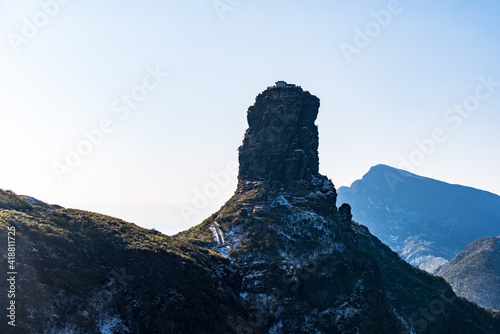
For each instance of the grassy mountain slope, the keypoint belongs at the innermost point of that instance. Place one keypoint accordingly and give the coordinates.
(82, 272)
(475, 272)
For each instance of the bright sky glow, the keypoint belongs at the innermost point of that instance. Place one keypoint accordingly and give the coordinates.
(68, 66)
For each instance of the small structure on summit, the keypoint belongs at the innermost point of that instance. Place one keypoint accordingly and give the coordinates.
(283, 84)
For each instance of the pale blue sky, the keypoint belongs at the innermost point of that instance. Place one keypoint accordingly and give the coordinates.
(67, 75)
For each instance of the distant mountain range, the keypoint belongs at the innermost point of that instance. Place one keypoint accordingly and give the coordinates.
(426, 221)
(475, 272)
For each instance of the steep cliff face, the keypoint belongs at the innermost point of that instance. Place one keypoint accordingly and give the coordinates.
(306, 266)
(281, 143)
(475, 272)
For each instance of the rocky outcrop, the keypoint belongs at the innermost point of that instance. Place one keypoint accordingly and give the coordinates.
(306, 266)
(345, 212)
(281, 143)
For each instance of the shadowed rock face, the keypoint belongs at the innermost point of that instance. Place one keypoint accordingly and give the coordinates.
(306, 266)
(345, 212)
(281, 143)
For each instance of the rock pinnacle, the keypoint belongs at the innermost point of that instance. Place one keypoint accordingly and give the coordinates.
(281, 142)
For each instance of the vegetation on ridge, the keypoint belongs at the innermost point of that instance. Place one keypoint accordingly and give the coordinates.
(86, 272)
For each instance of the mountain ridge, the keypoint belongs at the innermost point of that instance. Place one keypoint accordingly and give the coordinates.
(426, 230)
(475, 272)
(307, 266)
(404, 173)
(278, 257)
(82, 272)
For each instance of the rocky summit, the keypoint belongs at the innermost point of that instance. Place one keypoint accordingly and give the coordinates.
(305, 265)
(281, 143)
